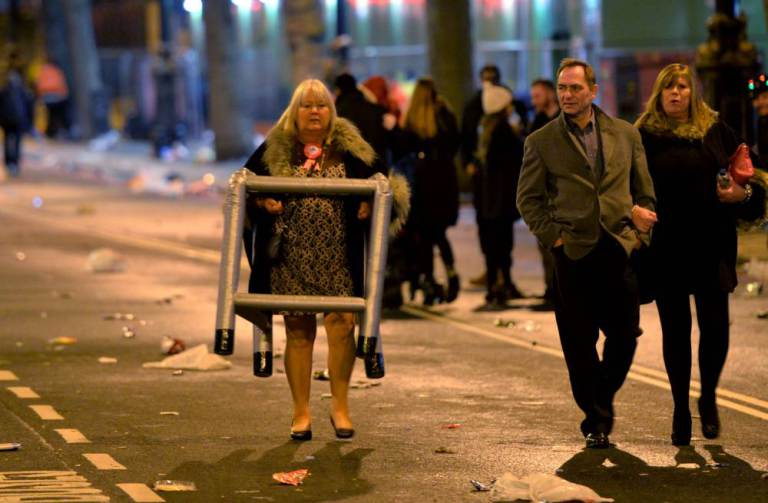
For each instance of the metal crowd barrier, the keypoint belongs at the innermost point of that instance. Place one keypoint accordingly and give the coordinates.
(257, 308)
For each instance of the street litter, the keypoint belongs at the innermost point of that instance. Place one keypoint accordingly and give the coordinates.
(21, 256)
(177, 372)
(37, 202)
(321, 375)
(169, 413)
(171, 346)
(688, 466)
(107, 359)
(542, 487)
(120, 316)
(309, 458)
(63, 341)
(480, 487)
(174, 485)
(197, 358)
(10, 446)
(444, 450)
(763, 315)
(105, 260)
(754, 289)
(44, 315)
(451, 426)
(128, 332)
(169, 300)
(294, 478)
(364, 384)
(85, 209)
(501, 322)
(325, 396)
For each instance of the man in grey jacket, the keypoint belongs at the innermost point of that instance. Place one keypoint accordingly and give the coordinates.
(586, 194)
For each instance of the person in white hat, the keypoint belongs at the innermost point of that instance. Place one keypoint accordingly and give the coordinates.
(499, 156)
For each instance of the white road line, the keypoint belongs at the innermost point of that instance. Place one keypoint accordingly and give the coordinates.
(140, 493)
(46, 412)
(72, 436)
(7, 375)
(103, 461)
(47, 486)
(23, 392)
(638, 373)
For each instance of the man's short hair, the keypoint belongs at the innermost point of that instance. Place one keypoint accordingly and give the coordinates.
(494, 71)
(589, 72)
(545, 83)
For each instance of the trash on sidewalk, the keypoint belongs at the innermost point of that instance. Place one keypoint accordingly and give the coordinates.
(21, 256)
(105, 260)
(168, 413)
(451, 426)
(754, 289)
(444, 450)
(530, 326)
(128, 332)
(177, 372)
(688, 466)
(501, 322)
(119, 316)
(37, 202)
(294, 478)
(63, 341)
(107, 359)
(321, 375)
(542, 487)
(171, 346)
(325, 396)
(480, 487)
(174, 485)
(197, 358)
(10, 446)
(44, 315)
(364, 384)
(763, 315)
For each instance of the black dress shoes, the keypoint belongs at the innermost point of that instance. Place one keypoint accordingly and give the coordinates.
(710, 420)
(301, 436)
(597, 441)
(342, 433)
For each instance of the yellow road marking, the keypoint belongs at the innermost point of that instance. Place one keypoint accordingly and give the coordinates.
(141, 493)
(46, 412)
(638, 372)
(7, 375)
(103, 461)
(23, 392)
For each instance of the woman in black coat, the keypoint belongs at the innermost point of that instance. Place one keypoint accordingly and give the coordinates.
(693, 248)
(429, 141)
(499, 157)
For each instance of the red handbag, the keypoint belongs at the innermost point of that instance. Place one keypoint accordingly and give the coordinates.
(740, 165)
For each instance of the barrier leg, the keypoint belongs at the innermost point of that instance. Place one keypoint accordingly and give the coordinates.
(262, 346)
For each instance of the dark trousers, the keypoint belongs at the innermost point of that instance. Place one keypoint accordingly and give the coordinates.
(58, 121)
(548, 263)
(12, 148)
(496, 241)
(426, 239)
(675, 315)
(597, 292)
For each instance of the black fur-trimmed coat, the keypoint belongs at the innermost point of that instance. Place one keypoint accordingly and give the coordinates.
(277, 156)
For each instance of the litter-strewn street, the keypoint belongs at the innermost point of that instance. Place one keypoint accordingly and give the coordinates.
(468, 395)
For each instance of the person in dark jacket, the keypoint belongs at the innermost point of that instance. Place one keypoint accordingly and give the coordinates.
(498, 156)
(322, 239)
(15, 100)
(693, 250)
(351, 104)
(428, 141)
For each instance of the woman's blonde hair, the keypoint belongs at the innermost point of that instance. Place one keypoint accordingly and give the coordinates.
(421, 115)
(700, 116)
(308, 88)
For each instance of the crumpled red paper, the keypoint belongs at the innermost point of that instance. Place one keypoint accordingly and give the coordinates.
(293, 478)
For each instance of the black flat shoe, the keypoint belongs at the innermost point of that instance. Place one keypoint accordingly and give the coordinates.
(597, 441)
(342, 433)
(301, 436)
(710, 420)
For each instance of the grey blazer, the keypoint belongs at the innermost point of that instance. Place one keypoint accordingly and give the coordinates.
(559, 197)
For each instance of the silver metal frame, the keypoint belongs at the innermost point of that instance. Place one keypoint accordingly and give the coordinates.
(252, 306)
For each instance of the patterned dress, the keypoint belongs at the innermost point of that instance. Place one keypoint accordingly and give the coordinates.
(313, 252)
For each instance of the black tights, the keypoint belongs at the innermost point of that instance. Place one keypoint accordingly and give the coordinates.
(675, 315)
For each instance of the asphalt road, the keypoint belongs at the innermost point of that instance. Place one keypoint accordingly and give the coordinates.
(505, 387)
